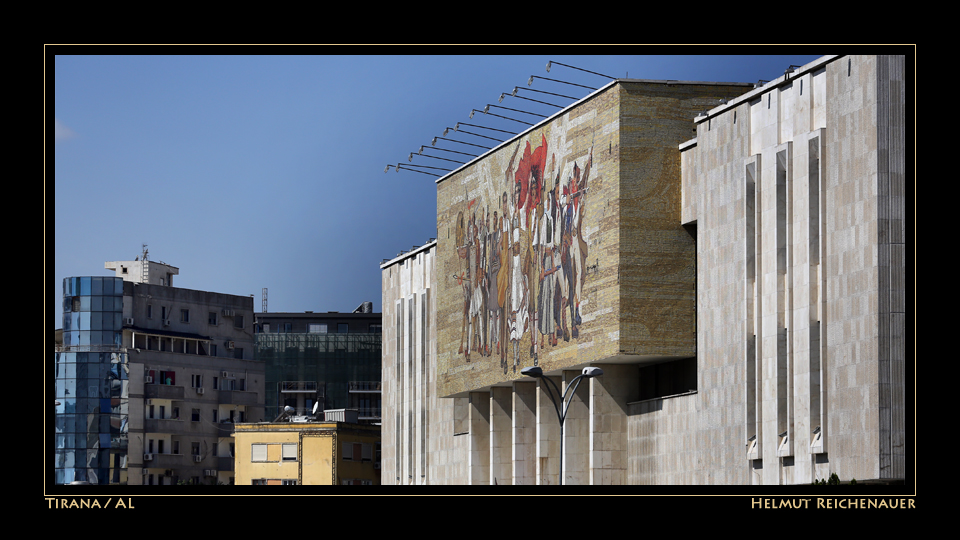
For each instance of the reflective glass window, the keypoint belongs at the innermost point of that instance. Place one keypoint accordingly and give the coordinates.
(85, 285)
(96, 286)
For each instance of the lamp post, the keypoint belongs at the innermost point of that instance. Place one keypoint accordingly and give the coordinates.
(561, 408)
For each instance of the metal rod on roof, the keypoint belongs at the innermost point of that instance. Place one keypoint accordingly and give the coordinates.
(447, 130)
(434, 142)
(516, 88)
(532, 77)
(422, 148)
(410, 158)
(477, 135)
(514, 110)
(499, 116)
(457, 128)
(528, 99)
(572, 67)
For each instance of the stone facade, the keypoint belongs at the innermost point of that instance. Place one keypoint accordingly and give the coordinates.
(733, 259)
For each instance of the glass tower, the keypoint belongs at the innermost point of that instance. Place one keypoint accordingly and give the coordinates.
(91, 373)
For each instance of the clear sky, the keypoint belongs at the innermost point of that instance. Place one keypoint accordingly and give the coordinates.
(267, 171)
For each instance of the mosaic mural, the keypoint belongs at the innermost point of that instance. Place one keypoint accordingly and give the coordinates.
(522, 256)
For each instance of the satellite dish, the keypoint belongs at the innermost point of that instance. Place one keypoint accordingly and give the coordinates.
(315, 406)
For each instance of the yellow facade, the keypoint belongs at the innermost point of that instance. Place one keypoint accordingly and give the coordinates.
(294, 453)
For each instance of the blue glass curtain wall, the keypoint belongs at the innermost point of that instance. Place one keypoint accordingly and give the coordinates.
(91, 386)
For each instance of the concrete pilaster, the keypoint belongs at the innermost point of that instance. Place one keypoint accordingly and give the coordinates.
(609, 395)
(501, 435)
(524, 433)
(479, 465)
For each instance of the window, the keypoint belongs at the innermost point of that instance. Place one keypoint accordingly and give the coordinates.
(150, 413)
(213, 349)
(266, 328)
(216, 384)
(258, 452)
(287, 328)
(288, 482)
(243, 384)
(185, 315)
(163, 312)
(238, 321)
(343, 328)
(167, 377)
(195, 415)
(214, 449)
(212, 317)
(196, 381)
(238, 353)
(289, 452)
(376, 328)
(195, 449)
(149, 311)
(214, 416)
(258, 482)
(316, 328)
(357, 451)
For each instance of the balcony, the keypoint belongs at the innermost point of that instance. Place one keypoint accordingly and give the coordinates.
(237, 397)
(162, 461)
(368, 413)
(164, 425)
(162, 391)
(287, 387)
(364, 387)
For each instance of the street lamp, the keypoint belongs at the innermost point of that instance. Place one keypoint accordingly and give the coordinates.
(561, 408)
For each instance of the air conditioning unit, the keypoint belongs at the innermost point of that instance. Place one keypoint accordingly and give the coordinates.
(148, 457)
(128, 321)
(223, 374)
(197, 459)
(200, 390)
(228, 313)
(148, 379)
(149, 402)
(229, 345)
(166, 322)
(209, 472)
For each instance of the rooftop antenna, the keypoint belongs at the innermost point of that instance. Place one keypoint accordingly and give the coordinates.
(143, 264)
(263, 309)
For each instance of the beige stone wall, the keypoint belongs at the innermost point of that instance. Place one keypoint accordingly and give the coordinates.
(420, 441)
(785, 191)
(624, 268)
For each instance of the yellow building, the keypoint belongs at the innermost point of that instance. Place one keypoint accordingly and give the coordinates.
(307, 453)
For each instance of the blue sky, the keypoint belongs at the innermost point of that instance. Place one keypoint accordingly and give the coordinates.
(248, 172)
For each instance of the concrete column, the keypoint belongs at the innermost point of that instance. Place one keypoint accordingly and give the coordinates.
(548, 435)
(524, 433)
(501, 435)
(609, 395)
(479, 418)
(576, 433)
